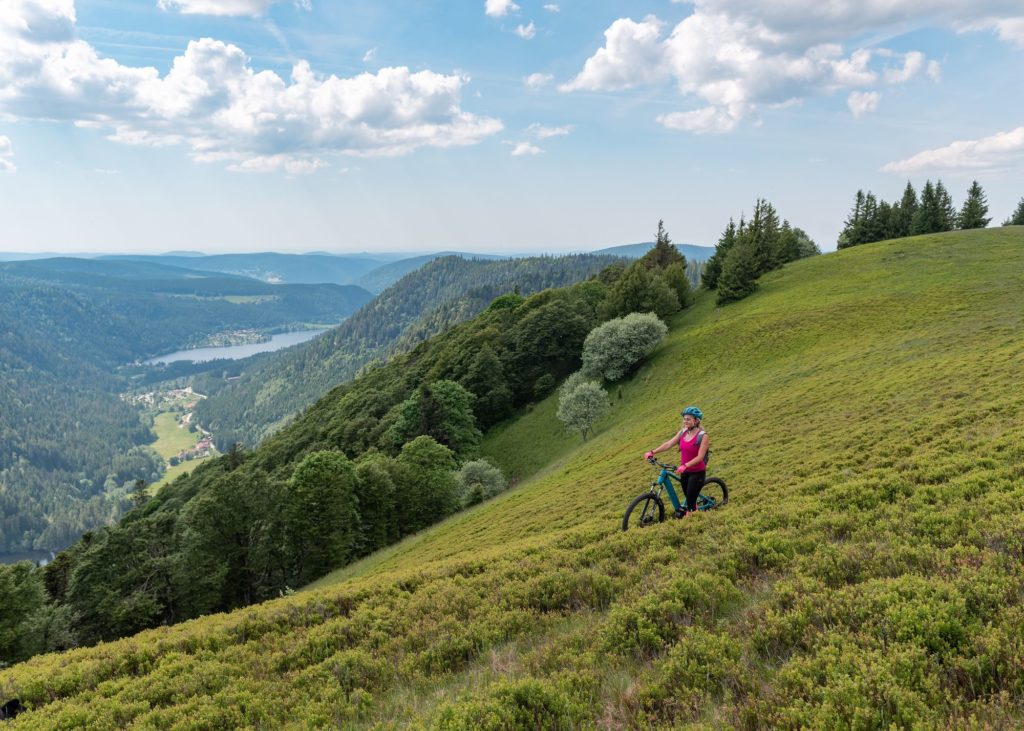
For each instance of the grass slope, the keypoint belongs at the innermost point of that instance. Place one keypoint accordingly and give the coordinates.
(865, 409)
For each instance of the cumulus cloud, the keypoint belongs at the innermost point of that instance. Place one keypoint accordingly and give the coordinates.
(525, 148)
(526, 32)
(216, 104)
(736, 56)
(251, 8)
(999, 151)
(538, 80)
(632, 55)
(863, 102)
(6, 155)
(498, 8)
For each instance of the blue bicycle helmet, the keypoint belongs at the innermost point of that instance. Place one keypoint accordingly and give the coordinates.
(694, 412)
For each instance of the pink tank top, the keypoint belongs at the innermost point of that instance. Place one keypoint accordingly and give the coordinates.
(688, 450)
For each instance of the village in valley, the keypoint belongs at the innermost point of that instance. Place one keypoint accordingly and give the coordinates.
(181, 441)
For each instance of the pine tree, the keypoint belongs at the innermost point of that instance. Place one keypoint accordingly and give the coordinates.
(664, 254)
(762, 233)
(851, 233)
(1017, 219)
(903, 213)
(947, 211)
(739, 274)
(139, 493)
(713, 267)
(975, 209)
(928, 217)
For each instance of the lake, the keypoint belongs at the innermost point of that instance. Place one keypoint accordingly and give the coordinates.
(233, 352)
(33, 556)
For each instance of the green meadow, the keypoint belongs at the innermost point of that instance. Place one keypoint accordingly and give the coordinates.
(171, 439)
(865, 408)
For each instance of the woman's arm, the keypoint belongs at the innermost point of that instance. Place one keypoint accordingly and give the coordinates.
(670, 443)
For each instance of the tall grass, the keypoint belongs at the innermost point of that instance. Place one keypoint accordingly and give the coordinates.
(865, 409)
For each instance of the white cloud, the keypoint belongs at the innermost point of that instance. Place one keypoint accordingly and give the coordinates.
(538, 80)
(214, 102)
(863, 102)
(999, 151)
(632, 55)
(370, 55)
(552, 8)
(251, 8)
(525, 148)
(526, 32)
(709, 120)
(6, 155)
(542, 133)
(736, 56)
(498, 8)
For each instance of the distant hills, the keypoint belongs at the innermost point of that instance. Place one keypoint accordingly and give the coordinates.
(635, 251)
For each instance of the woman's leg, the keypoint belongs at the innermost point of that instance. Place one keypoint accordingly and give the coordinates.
(694, 483)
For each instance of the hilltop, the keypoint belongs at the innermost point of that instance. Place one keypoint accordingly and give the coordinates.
(864, 408)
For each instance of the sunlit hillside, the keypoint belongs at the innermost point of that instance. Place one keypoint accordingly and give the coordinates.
(865, 408)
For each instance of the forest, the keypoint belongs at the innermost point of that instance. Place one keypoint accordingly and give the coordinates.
(70, 328)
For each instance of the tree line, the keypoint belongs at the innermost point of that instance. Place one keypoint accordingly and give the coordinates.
(872, 219)
(753, 247)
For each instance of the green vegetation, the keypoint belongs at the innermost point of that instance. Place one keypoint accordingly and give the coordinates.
(866, 574)
(444, 292)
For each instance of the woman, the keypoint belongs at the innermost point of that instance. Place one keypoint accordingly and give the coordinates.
(693, 448)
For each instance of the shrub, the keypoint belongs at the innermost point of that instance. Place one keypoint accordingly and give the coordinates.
(615, 347)
(479, 480)
(579, 408)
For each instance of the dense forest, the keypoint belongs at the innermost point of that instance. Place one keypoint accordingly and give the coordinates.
(423, 303)
(69, 446)
(379, 457)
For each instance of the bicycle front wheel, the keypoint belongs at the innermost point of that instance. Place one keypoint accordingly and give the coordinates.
(645, 510)
(713, 495)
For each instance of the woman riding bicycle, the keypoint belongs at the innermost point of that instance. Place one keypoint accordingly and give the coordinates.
(693, 448)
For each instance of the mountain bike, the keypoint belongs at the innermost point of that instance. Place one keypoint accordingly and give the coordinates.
(648, 508)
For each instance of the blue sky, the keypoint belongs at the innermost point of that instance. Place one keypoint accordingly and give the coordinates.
(488, 125)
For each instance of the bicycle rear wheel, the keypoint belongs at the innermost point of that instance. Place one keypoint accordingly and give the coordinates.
(713, 495)
(645, 510)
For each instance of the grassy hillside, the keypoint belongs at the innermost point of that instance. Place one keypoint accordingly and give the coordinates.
(866, 411)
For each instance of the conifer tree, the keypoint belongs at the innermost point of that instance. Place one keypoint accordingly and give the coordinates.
(974, 213)
(851, 233)
(928, 217)
(947, 211)
(713, 267)
(664, 254)
(903, 213)
(739, 274)
(762, 234)
(1017, 218)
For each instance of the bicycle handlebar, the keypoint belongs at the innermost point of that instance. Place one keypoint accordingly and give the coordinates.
(669, 467)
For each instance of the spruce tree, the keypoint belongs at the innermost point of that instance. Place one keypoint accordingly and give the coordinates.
(975, 209)
(762, 233)
(947, 211)
(664, 254)
(928, 218)
(1017, 218)
(713, 267)
(851, 233)
(739, 274)
(903, 213)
